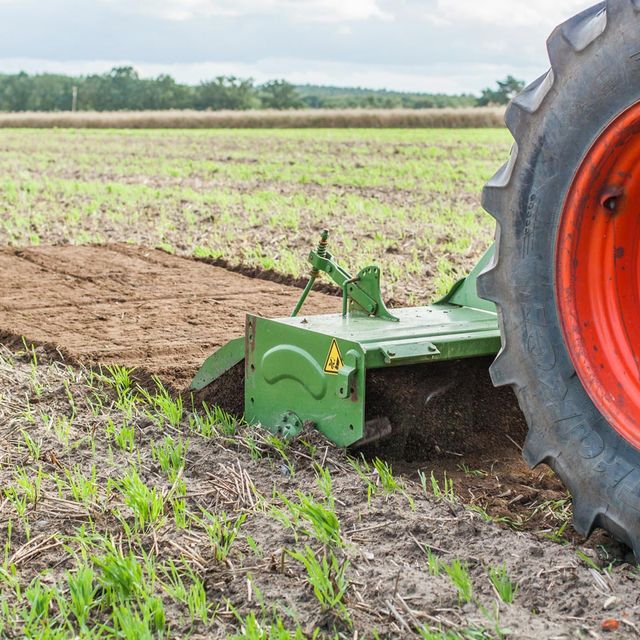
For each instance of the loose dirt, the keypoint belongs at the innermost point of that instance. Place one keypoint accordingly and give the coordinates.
(449, 420)
(387, 536)
(135, 307)
(163, 315)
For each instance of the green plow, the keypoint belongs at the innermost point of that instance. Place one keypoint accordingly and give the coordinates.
(306, 372)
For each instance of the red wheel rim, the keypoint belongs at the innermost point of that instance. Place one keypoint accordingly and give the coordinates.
(598, 274)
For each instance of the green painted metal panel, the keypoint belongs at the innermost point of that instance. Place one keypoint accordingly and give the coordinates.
(454, 332)
(311, 371)
(218, 363)
(292, 380)
(464, 293)
(286, 374)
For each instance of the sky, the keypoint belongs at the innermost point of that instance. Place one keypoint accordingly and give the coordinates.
(448, 46)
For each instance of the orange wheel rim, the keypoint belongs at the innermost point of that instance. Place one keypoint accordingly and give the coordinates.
(598, 274)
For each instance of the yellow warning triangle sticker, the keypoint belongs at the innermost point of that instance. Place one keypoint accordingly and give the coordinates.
(334, 361)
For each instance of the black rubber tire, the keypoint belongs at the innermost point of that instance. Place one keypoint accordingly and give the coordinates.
(594, 77)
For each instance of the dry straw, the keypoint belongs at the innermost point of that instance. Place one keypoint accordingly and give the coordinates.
(263, 119)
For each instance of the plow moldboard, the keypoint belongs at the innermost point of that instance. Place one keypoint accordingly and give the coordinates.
(137, 307)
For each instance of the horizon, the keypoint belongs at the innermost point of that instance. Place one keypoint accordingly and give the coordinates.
(412, 46)
(297, 86)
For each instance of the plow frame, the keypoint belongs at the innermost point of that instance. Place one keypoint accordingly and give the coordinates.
(311, 371)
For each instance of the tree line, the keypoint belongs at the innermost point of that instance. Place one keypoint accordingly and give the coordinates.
(123, 89)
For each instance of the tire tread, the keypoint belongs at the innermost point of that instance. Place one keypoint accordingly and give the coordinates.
(572, 38)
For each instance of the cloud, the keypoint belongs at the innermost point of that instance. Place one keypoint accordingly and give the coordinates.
(425, 45)
(508, 13)
(327, 11)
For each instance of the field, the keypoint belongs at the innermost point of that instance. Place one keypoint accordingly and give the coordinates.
(129, 511)
(407, 199)
(260, 119)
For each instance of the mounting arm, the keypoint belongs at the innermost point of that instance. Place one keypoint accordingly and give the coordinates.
(361, 293)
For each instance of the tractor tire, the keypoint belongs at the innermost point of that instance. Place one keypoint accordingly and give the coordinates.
(566, 272)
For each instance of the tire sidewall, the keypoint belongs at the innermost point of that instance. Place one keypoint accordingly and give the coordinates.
(590, 91)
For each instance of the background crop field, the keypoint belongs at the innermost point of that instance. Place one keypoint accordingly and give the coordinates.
(260, 119)
(407, 199)
(126, 512)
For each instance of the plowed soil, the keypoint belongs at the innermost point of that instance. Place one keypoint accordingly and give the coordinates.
(136, 307)
(163, 315)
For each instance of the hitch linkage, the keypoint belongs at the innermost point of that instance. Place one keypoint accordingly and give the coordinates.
(361, 293)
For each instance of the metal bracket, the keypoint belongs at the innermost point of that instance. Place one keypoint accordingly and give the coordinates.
(362, 292)
(368, 281)
(408, 351)
(347, 376)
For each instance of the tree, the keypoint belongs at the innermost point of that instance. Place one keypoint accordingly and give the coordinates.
(506, 91)
(280, 94)
(227, 92)
(16, 92)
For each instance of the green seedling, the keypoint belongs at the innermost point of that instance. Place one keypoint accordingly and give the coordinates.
(7, 547)
(280, 446)
(310, 516)
(435, 564)
(193, 594)
(166, 410)
(458, 573)
(388, 482)
(363, 469)
(255, 547)
(252, 629)
(95, 403)
(327, 577)
(433, 561)
(146, 503)
(222, 532)
(145, 622)
(38, 389)
(70, 398)
(428, 633)
(503, 584)
(254, 449)
(213, 421)
(378, 477)
(39, 597)
(83, 591)
(472, 473)
(20, 503)
(30, 483)
(121, 577)
(61, 426)
(170, 455)
(325, 484)
(323, 523)
(487, 517)
(124, 437)
(120, 379)
(385, 475)
(558, 535)
(178, 502)
(589, 562)
(444, 491)
(33, 447)
(82, 485)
